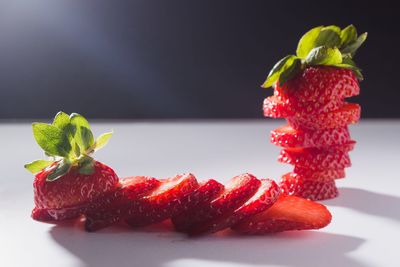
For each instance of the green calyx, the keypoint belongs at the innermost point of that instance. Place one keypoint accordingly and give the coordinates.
(328, 46)
(68, 142)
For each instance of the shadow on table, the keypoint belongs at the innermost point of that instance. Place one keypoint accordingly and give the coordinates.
(158, 246)
(368, 202)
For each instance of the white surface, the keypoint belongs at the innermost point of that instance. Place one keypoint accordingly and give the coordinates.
(366, 217)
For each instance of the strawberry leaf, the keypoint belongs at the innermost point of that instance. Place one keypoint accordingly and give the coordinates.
(277, 70)
(324, 55)
(38, 165)
(352, 47)
(83, 135)
(307, 42)
(348, 35)
(290, 72)
(102, 140)
(51, 139)
(60, 170)
(328, 36)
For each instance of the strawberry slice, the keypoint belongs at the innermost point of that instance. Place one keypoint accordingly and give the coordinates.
(315, 159)
(288, 213)
(286, 136)
(50, 214)
(325, 175)
(111, 208)
(166, 201)
(202, 196)
(320, 84)
(349, 113)
(277, 107)
(265, 197)
(238, 190)
(294, 184)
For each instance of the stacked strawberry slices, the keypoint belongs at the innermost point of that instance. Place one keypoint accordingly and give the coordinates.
(310, 91)
(72, 185)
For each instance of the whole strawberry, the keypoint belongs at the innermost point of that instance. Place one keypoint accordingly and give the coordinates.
(309, 91)
(70, 179)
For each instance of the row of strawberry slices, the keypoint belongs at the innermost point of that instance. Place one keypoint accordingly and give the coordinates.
(246, 205)
(316, 139)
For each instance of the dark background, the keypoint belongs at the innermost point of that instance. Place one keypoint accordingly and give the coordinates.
(175, 59)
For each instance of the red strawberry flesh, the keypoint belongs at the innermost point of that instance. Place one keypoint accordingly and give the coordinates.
(113, 207)
(166, 201)
(288, 213)
(238, 190)
(265, 197)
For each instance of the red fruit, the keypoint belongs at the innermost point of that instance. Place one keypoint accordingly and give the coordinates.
(275, 108)
(286, 136)
(202, 196)
(292, 184)
(67, 196)
(166, 201)
(238, 190)
(325, 175)
(349, 113)
(315, 159)
(288, 213)
(320, 84)
(113, 207)
(265, 197)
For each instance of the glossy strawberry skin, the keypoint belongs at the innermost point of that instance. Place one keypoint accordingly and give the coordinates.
(68, 196)
(349, 113)
(203, 195)
(315, 159)
(293, 184)
(324, 175)
(265, 197)
(320, 84)
(165, 202)
(113, 207)
(286, 136)
(238, 190)
(288, 213)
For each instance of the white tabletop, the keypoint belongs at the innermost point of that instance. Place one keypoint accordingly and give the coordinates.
(365, 230)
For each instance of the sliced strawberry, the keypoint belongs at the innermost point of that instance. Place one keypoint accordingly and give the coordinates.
(315, 159)
(275, 108)
(238, 190)
(325, 175)
(264, 198)
(166, 201)
(202, 196)
(286, 136)
(349, 113)
(48, 215)
(112, 208)
(320, 84)
(292, 184)
(288, 213)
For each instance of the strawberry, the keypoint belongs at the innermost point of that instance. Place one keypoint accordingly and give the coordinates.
(315, 159)
(325, 175)
(286, 136)
(277, 107)
(349, 113)
(320, 84)
(113, 207)
(264, 198)
(202, 196)
(168, 200)
(238, 190)
(288, 213)
(71, 179)
(294, 184)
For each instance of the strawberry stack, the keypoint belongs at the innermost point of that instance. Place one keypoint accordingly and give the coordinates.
(309, 92)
